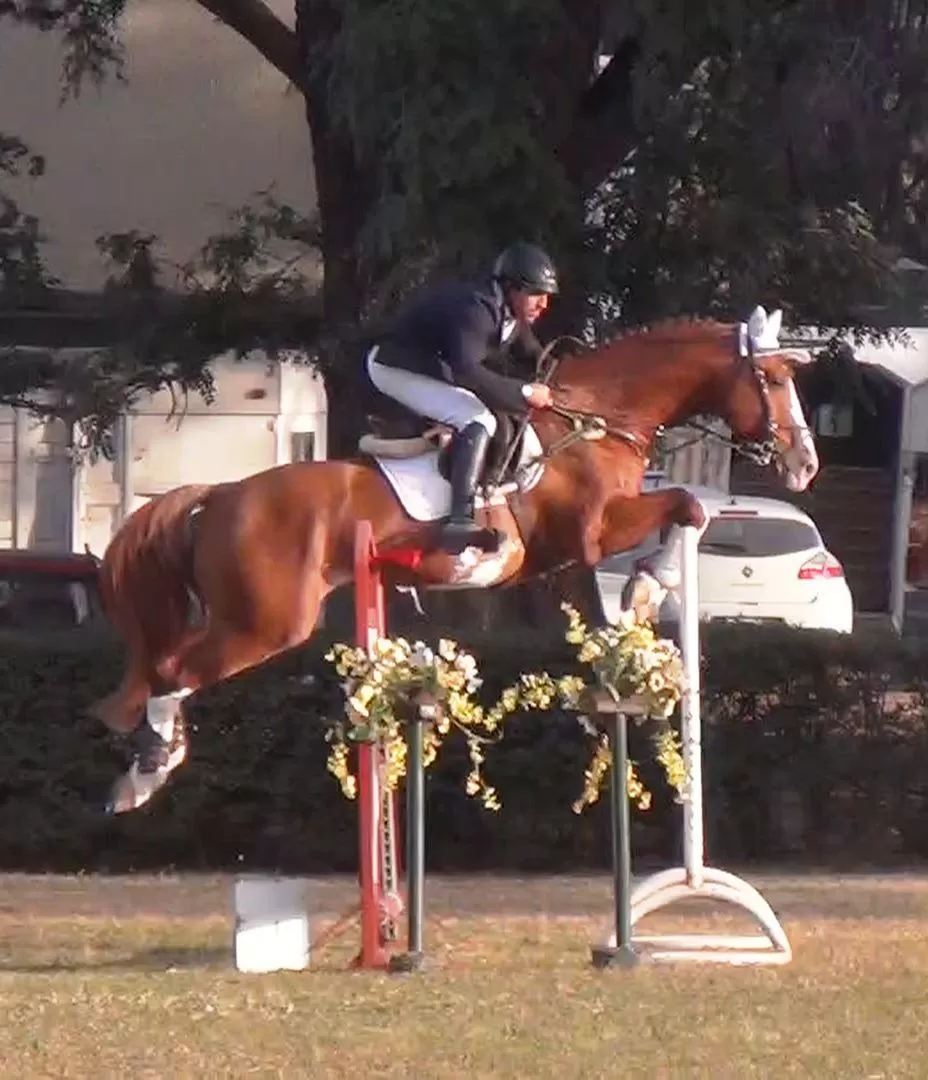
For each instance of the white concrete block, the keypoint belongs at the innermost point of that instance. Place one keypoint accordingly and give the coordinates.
(271, 924)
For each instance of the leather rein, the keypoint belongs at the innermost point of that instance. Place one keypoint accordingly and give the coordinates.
(589, 426)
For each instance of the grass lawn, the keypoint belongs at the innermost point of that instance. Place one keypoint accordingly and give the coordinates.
(133, 978)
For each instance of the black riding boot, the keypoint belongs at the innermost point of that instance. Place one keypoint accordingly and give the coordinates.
(468, 455)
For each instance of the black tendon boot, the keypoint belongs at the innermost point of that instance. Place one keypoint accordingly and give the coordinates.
(468, 455)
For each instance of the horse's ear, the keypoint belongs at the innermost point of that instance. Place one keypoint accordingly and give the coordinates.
(764, 329)
(757, 324)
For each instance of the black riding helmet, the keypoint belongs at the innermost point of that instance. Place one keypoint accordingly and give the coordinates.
(525, 266)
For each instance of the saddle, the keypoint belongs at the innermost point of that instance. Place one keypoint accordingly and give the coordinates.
(397, 432)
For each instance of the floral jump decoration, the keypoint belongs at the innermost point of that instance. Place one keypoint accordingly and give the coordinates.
(627, 660)
(382, 688)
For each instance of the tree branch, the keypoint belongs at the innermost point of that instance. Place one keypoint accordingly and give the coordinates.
(587, 19)
(261, 28)
(605, 131)
(593, 148)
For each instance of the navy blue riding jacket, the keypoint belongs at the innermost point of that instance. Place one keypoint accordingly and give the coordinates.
(450, 331)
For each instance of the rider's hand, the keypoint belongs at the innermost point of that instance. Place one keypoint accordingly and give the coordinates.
(539, 396)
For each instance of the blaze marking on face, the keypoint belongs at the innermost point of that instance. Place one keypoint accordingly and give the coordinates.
(800, 461)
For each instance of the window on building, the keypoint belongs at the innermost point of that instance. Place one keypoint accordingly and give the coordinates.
(834, 421)
(917, 554)
(303, 446)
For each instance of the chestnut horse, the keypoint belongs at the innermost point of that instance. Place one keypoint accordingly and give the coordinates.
(259, 556)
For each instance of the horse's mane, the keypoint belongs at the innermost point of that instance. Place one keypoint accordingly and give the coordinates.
(677, 329)
(674, 327)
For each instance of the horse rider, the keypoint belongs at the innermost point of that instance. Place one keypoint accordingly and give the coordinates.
(433, 358)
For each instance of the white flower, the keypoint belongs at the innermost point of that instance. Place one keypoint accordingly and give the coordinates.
(422, 656)
(467, 665)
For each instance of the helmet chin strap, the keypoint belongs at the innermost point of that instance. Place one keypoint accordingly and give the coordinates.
(503, 294)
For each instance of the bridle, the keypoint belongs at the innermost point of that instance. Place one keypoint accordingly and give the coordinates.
(588, 426)
(758, 452)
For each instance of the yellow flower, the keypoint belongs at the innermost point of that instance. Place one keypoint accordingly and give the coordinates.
(590, 650)
(510, 698)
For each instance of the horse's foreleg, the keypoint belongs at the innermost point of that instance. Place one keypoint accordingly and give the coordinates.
(628, 521)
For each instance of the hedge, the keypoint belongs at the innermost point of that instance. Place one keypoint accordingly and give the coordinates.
(816, 748)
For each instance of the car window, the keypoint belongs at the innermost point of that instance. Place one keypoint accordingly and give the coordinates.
(31, 601)
(624, 562)
(758, 537)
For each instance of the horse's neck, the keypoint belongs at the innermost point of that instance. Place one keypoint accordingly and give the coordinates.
(678, 384)
(578, 476)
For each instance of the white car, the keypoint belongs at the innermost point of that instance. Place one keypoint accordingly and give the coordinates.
(759, 559)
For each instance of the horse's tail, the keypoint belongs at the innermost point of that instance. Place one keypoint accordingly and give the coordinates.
(145, 583)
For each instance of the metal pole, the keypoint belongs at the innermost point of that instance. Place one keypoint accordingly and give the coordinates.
(690, 710)
(414, 957)
(372, 954)
(622, 953)
(369, 626)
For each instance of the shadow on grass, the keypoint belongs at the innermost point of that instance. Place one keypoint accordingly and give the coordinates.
(145, 960)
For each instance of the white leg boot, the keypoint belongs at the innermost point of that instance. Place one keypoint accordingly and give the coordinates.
(163, 747)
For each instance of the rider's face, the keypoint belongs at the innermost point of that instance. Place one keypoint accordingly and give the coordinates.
(526, 306)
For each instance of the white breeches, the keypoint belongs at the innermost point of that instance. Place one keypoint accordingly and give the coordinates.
(441, 401)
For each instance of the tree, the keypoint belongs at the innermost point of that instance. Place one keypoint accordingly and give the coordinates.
(699, 158)
(21, 268)
(243, 290)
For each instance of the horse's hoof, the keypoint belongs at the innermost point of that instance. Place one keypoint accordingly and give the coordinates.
(135, 787)
(131, 791)
(642, 596)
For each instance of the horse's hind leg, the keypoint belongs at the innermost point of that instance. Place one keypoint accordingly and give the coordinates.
(160, 748)
(122, 710)
(208, 656)
(151, 633)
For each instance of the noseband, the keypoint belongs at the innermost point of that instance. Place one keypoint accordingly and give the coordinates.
(759, 452)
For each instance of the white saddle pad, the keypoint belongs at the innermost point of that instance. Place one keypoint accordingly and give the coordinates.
(424, 493)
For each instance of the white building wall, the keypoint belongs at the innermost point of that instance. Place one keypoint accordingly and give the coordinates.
(36, 508)
(264, 414)
(916, 431)
(42, 489)
(200, 125)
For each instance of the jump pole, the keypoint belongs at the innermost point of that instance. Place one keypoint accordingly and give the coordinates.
(694, 879)
(379, 869)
